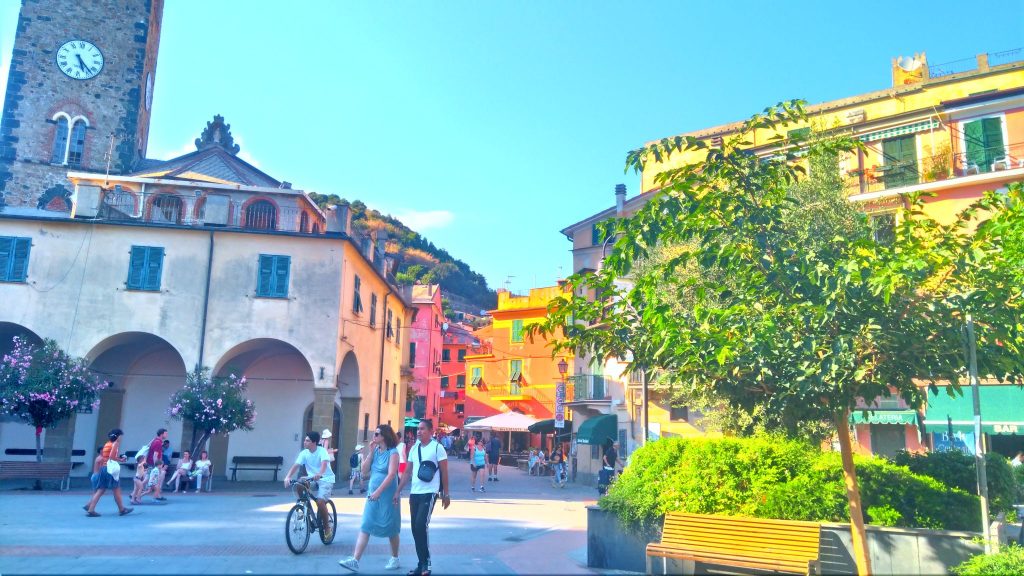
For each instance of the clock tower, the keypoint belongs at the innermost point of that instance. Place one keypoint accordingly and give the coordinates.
(78, 97)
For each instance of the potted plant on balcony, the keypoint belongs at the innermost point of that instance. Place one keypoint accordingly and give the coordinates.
(939, 165)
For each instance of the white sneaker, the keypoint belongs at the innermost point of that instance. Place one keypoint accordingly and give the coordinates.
(392, 563)
(351, 563)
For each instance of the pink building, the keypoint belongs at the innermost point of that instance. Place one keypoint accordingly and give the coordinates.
(425, 343)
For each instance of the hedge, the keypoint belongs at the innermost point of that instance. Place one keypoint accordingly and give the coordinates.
(775, 477)
(956, 469)
(1009, 561)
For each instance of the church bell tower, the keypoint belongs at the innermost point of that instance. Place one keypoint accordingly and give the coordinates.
(79, 95)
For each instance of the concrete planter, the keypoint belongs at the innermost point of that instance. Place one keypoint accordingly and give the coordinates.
(904, 551)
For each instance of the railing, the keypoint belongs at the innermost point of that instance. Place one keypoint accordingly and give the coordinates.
(934, 168)
(511, 389)
(121, 205)
(1005, 57)
(485, 349)
(969, 64)
(588, 387)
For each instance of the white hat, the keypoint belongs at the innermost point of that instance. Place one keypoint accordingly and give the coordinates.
(326, 433)
(359, 446)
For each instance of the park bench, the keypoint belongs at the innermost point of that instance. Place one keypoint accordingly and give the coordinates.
(255, 463)
(10, 470)
(32, 452)
(779, 545)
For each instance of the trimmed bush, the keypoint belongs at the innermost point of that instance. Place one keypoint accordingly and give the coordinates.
(775, 477)
(956, 469)
(1008, 562)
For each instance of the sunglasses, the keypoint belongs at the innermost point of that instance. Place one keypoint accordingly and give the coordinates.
(376, 433)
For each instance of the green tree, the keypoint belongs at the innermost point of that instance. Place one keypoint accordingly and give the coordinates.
(212, 405)
(44, 386)
(794, 311)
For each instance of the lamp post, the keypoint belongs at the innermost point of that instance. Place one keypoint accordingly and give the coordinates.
(560, 392)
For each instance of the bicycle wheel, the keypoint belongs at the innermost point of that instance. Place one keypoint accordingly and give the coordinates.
(296, 529)
(327, 536)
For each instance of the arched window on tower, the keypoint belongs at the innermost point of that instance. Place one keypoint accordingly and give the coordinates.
(60, 140)
(261, 215)
(76, 147)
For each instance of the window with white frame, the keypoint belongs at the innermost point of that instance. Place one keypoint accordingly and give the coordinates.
(68, 139)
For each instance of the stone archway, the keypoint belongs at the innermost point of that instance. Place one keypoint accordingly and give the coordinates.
(280, 385)
(145, 370)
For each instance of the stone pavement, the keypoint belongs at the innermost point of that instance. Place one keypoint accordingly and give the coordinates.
(521, 525)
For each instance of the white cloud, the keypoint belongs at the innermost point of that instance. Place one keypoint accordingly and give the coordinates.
(420, 221)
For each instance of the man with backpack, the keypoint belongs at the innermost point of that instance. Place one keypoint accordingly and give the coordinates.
(355, 462)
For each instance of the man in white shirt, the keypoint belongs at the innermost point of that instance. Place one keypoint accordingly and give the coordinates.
(317, 464)
(424, 493)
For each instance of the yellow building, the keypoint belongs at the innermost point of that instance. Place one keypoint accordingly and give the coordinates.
(954, 133)
(510, 371)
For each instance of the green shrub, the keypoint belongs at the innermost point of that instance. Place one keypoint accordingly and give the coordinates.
(775, 477)
(957, 470)
(1008, 562)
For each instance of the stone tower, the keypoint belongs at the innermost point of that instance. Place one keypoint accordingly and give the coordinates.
(78, 95)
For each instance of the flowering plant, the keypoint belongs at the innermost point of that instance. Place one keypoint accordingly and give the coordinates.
(212, 405)
(43, 385)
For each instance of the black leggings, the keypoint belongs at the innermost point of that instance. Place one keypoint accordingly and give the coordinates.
(421, 506)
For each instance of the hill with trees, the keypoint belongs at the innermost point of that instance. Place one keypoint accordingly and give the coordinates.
(417, 260)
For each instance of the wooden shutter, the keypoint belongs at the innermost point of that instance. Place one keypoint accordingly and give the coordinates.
(901, 155)
(992, 134)
(975, 141)
(282, 270)
(265, 277)
(136, 268)
(6, 251)
(153, 268)
(16, 267)
(517, 330)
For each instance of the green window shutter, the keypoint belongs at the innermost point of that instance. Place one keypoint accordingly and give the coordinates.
(596, 235)
(154, 268)
(137, 268)
(460, 381)
(373, 310)
(517, 330)
(282, 272)
(992, 134)
(975, 140)
(265, 278)
(6, 257)
(19, 259)
(462, 355)
(444, 382)
(446, 355)
(901, 160)
(412, 354)
(515, 370)
(476, 376)
(357, 302)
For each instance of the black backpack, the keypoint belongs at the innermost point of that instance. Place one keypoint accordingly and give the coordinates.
(353, 460)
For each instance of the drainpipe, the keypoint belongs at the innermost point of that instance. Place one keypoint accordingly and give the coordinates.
(206, 303)
(383, 342)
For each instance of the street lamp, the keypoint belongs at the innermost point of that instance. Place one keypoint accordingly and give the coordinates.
(563, 367)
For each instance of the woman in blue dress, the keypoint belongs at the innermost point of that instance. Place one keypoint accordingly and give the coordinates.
(381, 514)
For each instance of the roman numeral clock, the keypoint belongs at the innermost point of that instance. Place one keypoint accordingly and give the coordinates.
(79, 59)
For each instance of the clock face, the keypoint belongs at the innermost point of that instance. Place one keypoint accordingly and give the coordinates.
(79, 59)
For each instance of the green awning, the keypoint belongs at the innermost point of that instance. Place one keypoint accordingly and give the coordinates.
(884, 417)
(1002, 410)
(548, 427)
(930, 124)
(411, 422)
(597, 429)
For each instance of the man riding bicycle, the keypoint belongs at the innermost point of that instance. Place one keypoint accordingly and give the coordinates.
(315, 459)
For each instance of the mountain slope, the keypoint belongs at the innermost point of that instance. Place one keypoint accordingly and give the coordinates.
(417, 259)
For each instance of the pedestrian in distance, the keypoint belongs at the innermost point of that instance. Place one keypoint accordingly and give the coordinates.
(558, 465)
(493, 456)
(106, 474)
(155, 464)
(355, 462)
(139, 479)
(427, 473)
(313, 458)
(477, 463)
(382, 515)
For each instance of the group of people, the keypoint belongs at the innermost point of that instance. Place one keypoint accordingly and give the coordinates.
(425, 472)
(556, 461)
(151, 465)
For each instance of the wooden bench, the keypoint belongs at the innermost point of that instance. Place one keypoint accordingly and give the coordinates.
(10, 469)
(32, 452)
(780, 545)
(255, 463)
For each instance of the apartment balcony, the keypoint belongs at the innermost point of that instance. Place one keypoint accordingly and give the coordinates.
(513, 392)
(589, 389)
(936, 172)
(485, 350)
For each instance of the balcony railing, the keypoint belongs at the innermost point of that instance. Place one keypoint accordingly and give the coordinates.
(485, 349)
(934, 168)
(123, 205)
(588, 387)
(512, 390)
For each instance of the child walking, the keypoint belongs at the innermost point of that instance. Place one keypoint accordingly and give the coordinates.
(140, 479)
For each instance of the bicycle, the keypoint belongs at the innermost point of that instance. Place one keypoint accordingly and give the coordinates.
(303, 519)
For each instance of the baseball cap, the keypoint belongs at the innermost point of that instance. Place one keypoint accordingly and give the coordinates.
(325, 434)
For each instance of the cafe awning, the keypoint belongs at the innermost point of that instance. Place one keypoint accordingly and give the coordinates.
(411, 422)
(597, 429)
(884, 417)
(548, 427)
(1001, 410)
(505, 422)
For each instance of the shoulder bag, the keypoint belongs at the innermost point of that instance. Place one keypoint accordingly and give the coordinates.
(427, 468)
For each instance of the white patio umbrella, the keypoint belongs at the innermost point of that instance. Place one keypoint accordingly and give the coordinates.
(505, 422)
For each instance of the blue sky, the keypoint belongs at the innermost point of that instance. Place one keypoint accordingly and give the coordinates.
(490, 126)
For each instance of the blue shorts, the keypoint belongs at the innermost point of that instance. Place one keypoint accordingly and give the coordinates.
(102, 480)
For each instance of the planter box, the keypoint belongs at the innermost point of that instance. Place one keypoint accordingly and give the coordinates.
(909, 551)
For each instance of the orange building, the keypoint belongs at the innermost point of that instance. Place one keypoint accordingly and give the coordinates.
(506, 370)
(458, 340)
